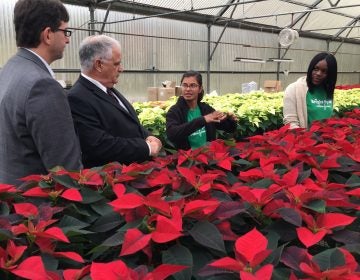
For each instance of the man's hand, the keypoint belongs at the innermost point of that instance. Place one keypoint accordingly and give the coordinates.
(155, 145)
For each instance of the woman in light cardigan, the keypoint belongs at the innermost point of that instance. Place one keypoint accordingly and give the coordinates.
(311, 98)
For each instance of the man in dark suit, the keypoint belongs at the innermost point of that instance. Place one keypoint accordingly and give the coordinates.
(36, 128)
(107, 124)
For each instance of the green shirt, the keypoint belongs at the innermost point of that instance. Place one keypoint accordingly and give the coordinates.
(319, 106)
(198, 138)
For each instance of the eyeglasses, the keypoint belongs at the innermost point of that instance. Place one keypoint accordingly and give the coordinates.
(192, 86)
(67, 32)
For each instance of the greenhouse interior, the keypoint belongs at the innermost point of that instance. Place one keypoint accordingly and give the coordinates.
(251, 171)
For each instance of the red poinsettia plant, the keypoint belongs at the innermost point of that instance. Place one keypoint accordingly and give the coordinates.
(282, 205)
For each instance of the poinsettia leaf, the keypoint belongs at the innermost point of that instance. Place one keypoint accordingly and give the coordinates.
(316, 205)
(110, 271)
(332, 220)
(346, 236)
(228, 209)
(72, 194)
(26, 209)
(206, 234)
(291, 216)
(31, 268)
(246, 246)
(263, 183)
(308, 238)
(265, 272)
(65, 180)
(303, 175)
(36, 192)
(107, 222)
(228, 264)
(69, 255)
(329, 259)
(68, 223)
(134, 241)
(293, 256)
(76, 274)
(56, 233)
(165, 230)
(179, 254)
(165, 270)
(89, 196)
(127, 201)
(353, 181)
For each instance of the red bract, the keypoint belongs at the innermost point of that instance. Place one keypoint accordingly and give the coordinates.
(256, 197)
(4, 188)
(11, 255)
(39, 233)
(26, 209)
(200, 181)
(346, 271)
(134, 241)
(68, 194)
(111, 271)
(249, 255)
(31, 268)
(163, 271)
(76, 274)
(319, 227)
(192, 155)
(200, 208)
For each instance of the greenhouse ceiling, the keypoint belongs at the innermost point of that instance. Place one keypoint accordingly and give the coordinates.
(327, 19)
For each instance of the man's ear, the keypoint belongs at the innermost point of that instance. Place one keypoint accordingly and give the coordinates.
(46, 36)
(98, 65)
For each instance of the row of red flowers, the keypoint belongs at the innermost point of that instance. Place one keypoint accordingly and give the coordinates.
(283, 205)
(345, 87)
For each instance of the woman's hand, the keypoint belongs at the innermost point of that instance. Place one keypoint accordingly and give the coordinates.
(215, 116)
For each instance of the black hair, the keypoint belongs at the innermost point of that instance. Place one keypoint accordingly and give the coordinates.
(330, 80)
(198, 77)
(31, 17)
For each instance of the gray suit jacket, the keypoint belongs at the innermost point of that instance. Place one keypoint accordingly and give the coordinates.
(36, 127)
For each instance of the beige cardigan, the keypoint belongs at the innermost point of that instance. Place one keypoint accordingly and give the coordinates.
(295, 109)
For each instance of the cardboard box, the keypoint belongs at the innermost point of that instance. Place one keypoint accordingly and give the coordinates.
(178, 91)
(272, 86)
(153, 93)
(168, 84)
(165, 93)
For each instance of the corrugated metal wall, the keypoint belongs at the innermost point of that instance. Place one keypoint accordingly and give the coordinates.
(169, 45)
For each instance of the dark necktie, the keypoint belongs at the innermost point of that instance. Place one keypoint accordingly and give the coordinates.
(111, 93)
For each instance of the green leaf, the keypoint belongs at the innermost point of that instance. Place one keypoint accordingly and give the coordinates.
(107, 222)
(102, 207)
(66, 181)
(329, 259)
(354, 181)
(208, 235)
(115, 240)
(291, 216)
(316, 205)
(4, 209)
(90, 196)
(180, 255)
(263, 183)
(5, 234)
(68, 223)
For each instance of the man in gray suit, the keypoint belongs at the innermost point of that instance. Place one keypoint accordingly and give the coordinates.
(36, 127)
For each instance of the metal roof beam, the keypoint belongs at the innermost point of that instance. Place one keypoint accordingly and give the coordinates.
(353, 22)
(306, 14)
(331, 10)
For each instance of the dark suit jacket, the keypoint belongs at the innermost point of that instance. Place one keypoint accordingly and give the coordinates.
(106, 130)
(36, 127)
